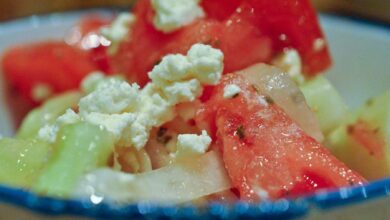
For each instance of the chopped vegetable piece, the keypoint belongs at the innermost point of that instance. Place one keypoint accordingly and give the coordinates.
(53, 63)
(275, 158)
(79, 149)
(363, 142)
(277, 86)
(21, 161)
(179, 182)
(325, 102)
(265, 28)
(47, 113)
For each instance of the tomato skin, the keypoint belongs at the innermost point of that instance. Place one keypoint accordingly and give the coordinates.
(53, 63)
(265, 151)
(247, 32)
(148, 45)
(87, 27)
(293, 23)
(289, 23)
(242, 43)
(137, 56)
(220, 9)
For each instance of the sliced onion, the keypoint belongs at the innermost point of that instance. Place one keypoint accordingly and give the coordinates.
(274, 83)
(179, 182)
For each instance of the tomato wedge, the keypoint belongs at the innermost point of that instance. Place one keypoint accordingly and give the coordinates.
(86, 35)
(266, 154)
(247, 32)
(137, 56)
(289, 23)
(56, 64)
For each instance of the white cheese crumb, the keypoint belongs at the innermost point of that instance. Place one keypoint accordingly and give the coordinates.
(290, 62)
(262, 100)
(129, 113)
(186, 91)
(319, 44)
(113, 123)
(139, 132)
(180, 77)
(41, 92)
(202, 62)
(118, 30)
(69, 117)
(192, 144)
(91, 81)
(151, 103)
(207, 63)
(174, 14)
(230, 91)
(173, 67)
(111, 97)
(49, 132)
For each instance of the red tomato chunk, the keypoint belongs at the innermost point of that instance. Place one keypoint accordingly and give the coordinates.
(265, 153)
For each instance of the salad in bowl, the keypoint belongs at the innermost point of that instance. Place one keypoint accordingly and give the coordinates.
(182, 102)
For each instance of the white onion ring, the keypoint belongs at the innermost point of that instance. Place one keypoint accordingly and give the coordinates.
(182, 181)
(273, 82)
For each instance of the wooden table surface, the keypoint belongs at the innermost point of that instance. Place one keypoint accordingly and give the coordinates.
(374, 9)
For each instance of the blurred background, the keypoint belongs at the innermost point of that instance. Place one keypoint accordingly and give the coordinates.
(372, 9)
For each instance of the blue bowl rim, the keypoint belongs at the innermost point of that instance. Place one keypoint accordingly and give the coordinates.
(283, 208)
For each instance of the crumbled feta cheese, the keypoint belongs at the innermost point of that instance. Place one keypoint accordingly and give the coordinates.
(139, 131)
(207, 63)
(230, 91)
(262, 100)
(186, 91)
(180, 77)
(290, 62)
(41, 92)
(174, 14)
(69, 117)
(154, 105)
(113, 123)
(91, 81)
(190, 144)
(202, 62)
(48, 133)
(118, 30)
(129, 113)
(319, 44)
(173, 67)
(111, 97)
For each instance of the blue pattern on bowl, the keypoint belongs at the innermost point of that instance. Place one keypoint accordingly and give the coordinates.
(280, 209)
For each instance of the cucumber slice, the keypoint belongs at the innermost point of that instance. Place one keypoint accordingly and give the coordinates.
(376, 114)
(356, 156)
(326, 103)
(80, 148)
(47, 113)
(21, 161)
